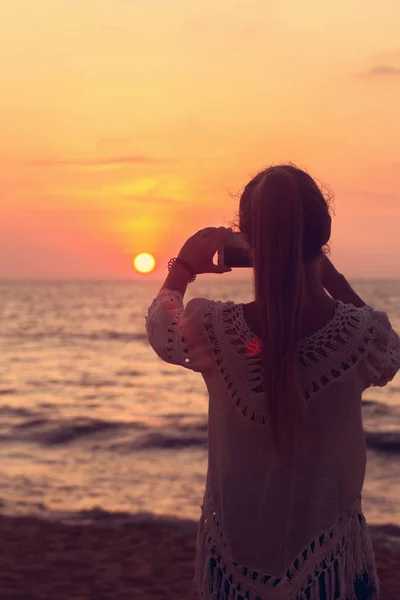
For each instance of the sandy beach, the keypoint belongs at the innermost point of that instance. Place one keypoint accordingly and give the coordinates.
(41, 560)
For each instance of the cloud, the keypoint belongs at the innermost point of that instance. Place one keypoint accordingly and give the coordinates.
(383, 70)
(164, 202)
(163, 190)
(113, 161)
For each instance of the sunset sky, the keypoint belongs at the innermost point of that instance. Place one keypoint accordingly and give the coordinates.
(127, 125)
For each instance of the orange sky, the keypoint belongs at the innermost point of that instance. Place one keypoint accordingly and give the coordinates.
(127, 124)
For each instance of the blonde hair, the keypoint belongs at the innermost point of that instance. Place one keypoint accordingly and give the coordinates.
(285, 217)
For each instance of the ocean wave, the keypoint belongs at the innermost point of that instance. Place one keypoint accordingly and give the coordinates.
(97, 514)
(196, 436)
(63, 336)
(129, 373)
(371, 403)
(15, 411)
(104, 435)
(383, 441)
(7, 391)
(175, 433)
(33, 423)
(175, 442)
(389, 533)
(378, 409)
(84, 381)
(50, 433)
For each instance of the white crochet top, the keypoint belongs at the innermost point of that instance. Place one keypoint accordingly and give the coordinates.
(273, 529)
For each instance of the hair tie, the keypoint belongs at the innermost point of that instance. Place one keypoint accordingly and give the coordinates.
(183, 262)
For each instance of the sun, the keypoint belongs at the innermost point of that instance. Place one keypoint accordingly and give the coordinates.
(144, 262)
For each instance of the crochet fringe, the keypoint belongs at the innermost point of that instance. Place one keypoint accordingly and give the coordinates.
(350, 549)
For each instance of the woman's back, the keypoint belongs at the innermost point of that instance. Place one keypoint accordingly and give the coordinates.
(317, 312)
(260, 516)
(282, 515)
(257, 495)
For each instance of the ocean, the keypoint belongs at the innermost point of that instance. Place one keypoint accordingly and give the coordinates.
(94, 426)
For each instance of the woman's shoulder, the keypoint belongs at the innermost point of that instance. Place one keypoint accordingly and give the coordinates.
(200, 302)
(373, 323)
(319, 320)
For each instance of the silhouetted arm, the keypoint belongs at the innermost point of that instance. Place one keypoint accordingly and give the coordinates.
(337, 285)
(177, 279)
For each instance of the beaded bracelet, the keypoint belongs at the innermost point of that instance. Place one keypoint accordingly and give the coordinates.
(184, 262)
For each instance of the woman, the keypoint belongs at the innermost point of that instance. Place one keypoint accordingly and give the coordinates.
(282, 515)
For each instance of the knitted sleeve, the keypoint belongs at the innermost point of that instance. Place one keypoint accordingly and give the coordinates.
(382, 359)
(176, 333)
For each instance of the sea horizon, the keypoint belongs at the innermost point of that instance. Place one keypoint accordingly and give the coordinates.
(146, 280)
(93, 422)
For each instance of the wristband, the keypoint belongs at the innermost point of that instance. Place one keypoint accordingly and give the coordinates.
(183, 262)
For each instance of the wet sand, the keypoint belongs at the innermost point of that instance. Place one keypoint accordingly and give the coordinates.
(41, 560)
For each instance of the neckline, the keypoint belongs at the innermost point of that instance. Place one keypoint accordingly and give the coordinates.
(304, 340)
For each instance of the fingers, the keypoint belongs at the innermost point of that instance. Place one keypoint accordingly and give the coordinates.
(215, 231)
(208, 232)
(221, 269)
(221, 233)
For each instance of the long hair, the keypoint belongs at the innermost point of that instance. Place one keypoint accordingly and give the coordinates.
(286, 220)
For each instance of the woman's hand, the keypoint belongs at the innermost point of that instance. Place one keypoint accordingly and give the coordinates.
(200, 248)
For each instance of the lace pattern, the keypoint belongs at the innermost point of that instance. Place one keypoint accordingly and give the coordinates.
(345, 547)
(239, 363)
(391, 357)
(324, 356)
(354, 339)
(337, 347)
(165, 315)
(384, 358)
